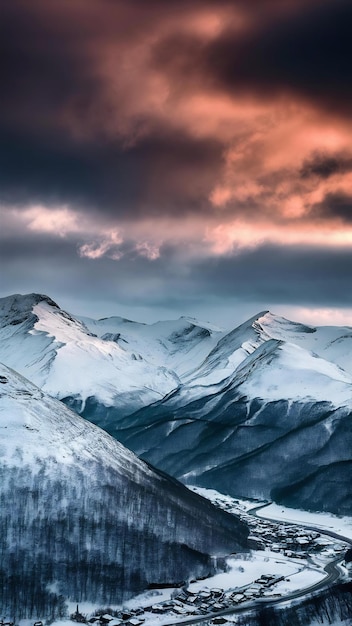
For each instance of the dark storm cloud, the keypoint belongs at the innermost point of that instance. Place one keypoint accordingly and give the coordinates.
(269, 274)
(47, 265)
(49, 72)
(53, 90)
(34, 247)
(135, 109)
(45, 66)
(167, 170)
(335, 205)
(325, 165)
(42, 70)
(306, 51)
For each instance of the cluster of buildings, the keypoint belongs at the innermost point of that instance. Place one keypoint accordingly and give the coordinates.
(289, 540)
(292, 541)
(191, 603)
(125, 617)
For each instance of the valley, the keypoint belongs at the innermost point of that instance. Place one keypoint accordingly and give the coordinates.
(118, 439)
(272, 576)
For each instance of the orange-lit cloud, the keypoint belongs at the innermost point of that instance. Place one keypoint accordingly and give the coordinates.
(238, 235)
(164, 110)
(177, 132)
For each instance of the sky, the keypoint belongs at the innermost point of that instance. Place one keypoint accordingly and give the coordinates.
(189, 157)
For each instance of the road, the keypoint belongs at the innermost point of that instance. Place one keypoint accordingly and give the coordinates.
(333, 575)
(318, 529)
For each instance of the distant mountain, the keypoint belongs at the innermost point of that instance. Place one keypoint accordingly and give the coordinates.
(263, 416)
(263, 411)
(83, 518)
(178, 345)
(99, 365)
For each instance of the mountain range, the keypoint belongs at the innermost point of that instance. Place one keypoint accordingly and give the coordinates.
(261, 411)
(267, 414)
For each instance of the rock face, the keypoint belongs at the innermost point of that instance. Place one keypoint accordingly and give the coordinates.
(83, 518)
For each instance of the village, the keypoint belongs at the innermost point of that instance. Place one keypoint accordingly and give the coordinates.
(289, 540)
(188, 603)
(310, 548)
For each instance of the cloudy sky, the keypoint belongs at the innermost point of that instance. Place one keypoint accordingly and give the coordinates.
(160, 158)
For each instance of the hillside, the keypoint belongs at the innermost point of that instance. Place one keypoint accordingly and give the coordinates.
(83, 518)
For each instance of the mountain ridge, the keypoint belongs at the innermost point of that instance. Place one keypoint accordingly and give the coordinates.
(193, 401)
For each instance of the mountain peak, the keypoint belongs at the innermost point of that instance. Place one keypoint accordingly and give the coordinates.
(24, 302)
(281, 326)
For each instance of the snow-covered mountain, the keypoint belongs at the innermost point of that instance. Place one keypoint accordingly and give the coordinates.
(264, 410)
(178, 345)
(82, 517)
(263, 416)
(108, 364)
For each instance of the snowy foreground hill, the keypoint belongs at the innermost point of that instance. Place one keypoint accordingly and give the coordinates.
(262, 411)
(82, 518)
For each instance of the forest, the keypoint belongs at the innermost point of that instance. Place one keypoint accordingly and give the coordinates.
(89, 533)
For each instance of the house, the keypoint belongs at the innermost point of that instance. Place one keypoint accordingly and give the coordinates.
(159, 609)
(238, 597)
(106, 618)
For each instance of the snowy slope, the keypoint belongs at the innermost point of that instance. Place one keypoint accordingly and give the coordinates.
(332, 343)
(179, 345)
(111, 363)
(264, 366)
(82, 517)
(293, 373)
(63, 357)
(262, 416)
(296, 370)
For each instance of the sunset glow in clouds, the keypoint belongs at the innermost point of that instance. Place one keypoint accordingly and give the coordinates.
(151, 148)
